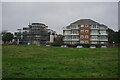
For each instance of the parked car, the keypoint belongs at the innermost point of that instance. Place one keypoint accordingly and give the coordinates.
(80, 46)
(47, 45)
(64, 46)
(103, 46)
(92, 46)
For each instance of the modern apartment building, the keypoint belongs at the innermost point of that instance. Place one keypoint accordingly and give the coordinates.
(35, 33)
(85, 31)
(22, 35)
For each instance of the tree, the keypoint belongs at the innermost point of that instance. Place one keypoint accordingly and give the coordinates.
(7, 37)
(58, 41)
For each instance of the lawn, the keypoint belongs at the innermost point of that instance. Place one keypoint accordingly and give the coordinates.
(56, 62)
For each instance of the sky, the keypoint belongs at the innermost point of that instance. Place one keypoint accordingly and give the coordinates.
(56, 15)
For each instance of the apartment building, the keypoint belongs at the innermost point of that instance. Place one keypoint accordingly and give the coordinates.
(22, 35)
(85, 31)
(35, 33)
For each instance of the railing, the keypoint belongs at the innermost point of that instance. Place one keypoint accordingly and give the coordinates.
(94, 34)
(94, 39)
(103, 40)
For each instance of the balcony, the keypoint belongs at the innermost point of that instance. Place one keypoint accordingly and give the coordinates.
(103, 40)
(70, 39)
(74, 39)
(94, 28)
(102, 28)
(75, 34)
(66, 34)
(103, 34)
(94, 39)
(66, 39)
(94, 34)
(75, 28)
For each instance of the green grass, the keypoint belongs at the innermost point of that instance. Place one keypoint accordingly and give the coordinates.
(57, 62)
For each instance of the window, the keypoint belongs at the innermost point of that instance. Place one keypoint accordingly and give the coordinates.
(86, 42)
(102, 42)
(93, 26)
(74, 42)
(74, 27)
(94, 37)
(94, 31)
(102, 37)
(82, 25)
(67, 42)
(74, 31)
(86, 36)
(86, 31)
(94, 42)
(67, 32)
(81, 41)
(82, 31)
(86, 25)
(82, 37)
(67, 37)
(74, 37)
(102, 31)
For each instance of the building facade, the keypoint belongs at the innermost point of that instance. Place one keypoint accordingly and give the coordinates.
(35, 33)
(22, 35)
(85, 31)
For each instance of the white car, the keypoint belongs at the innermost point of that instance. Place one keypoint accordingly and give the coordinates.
(47, 45)
(79, 47)
(64, 46)
(103, 46)
(92, 46)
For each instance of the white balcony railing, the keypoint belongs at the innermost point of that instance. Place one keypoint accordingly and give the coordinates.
(70, 39)
(94, 34)
(94, 39)
(94, 28)
(75, 39)
(75, 34)
(103, 34)
(103, 40)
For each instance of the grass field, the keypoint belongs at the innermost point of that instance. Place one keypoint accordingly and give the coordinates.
(57, 62)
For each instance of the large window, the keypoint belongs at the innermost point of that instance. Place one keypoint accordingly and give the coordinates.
(82, 25)
(74, 31)
(94, 26)
(82, 31)
(102, 31)
(67, 32)
(74, 42)
(102, 42)
(86, 25)
(94, 31)
(74, 37)
(82, 42)
(86, 31)
(74, 27)
(67, 37)
(94, 42)
(94, 37)
(102, 37)
(86, 36)
(86, 42)
(81, 36)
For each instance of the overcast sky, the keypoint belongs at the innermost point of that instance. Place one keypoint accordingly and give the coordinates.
(57, 15)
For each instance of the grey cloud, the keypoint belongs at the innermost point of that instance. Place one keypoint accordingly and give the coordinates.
(58, 15)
